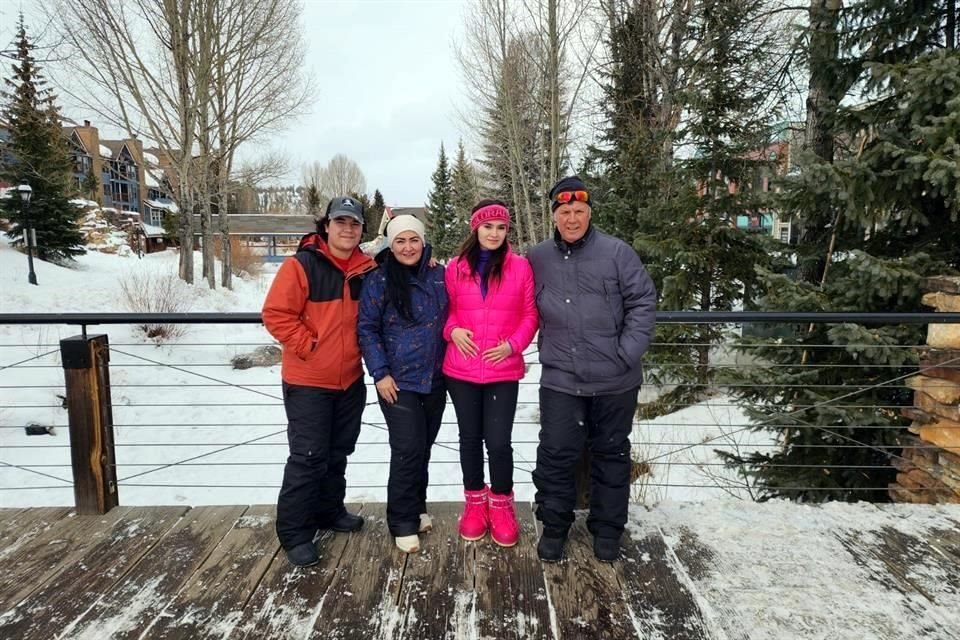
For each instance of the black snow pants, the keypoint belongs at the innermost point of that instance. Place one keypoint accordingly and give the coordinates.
(567, 424)
(413, 422)
(322, 430)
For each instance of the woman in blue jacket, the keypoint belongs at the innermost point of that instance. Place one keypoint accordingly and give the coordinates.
(403, 308)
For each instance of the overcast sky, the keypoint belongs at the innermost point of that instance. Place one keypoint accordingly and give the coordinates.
(388, 88)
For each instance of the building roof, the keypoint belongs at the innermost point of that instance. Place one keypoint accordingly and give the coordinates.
(420, 212)
(116, 147)
(170, 205)
(73, 135)
(152, 231)
(243, 224)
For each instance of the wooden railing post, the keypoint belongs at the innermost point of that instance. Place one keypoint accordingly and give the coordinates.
(87, 373)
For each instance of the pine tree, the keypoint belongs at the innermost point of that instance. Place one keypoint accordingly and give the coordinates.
(314, 203)
(697, 253)
(373, 216)
(876, 198)
(514, 132)
(628, 172)
(38, 154)
(465, 191)
(442, 232)
(90, 187)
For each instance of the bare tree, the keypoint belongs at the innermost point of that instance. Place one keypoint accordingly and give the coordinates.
(136, 65)
(343, 176)
(257, 87)
(199, 78)
(340, 176)
(313, 174)
(525, 66)
(556, 24)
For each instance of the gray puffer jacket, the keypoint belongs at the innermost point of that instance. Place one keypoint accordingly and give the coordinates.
(597, 308)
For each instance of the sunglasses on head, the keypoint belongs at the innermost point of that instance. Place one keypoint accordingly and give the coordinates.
(569, 196)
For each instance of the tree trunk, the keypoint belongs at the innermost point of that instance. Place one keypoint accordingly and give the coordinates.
(185, 234)
(206, 234)
(553, 82)
(180, 43)
(951, 30)
(822, 100)
(223, 217)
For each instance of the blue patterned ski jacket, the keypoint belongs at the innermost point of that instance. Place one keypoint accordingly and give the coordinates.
(411, 352)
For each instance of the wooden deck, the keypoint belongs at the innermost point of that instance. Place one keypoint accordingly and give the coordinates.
(217, 572)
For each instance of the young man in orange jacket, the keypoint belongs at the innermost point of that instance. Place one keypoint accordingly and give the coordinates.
(311, 309)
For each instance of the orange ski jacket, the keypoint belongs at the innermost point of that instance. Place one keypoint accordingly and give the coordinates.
(311, 309)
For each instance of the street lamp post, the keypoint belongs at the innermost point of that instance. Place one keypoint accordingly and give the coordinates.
(25, 193)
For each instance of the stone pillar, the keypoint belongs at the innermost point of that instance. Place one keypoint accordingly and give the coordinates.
(929, 470)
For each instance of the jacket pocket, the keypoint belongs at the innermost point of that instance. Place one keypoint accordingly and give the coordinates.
(614, 300)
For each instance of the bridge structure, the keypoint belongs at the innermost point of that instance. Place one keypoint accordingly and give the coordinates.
(143, 517)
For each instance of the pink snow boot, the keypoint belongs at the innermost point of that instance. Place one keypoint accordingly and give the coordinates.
(504, 528)
(475, 520)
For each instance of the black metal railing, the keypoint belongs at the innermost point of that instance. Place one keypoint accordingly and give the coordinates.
(187, 426)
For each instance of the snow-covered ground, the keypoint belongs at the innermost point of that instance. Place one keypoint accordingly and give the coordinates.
(182, 401)
(780, 569)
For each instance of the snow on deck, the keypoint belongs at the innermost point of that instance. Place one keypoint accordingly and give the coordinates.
(717, 570)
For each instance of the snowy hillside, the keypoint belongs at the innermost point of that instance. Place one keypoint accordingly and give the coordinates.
(230, 423)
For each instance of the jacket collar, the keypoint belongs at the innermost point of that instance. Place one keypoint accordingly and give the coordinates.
(563, 245)
(358, 263)
(464, 266)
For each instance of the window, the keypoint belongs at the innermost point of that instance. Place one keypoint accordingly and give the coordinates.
(784, 232)
(155, 217)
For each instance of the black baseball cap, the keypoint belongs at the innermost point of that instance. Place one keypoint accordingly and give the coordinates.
(345, 207)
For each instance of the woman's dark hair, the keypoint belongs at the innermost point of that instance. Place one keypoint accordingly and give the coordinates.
(398, 286)
(470, 249)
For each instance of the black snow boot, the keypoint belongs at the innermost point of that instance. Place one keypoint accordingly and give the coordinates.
(347, 522)
(550, 549)
(303, 555)
(606, 549)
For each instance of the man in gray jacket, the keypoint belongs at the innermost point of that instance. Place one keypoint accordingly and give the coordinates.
(597, 308)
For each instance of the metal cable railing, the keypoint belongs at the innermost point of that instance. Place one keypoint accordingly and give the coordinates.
(134, 373)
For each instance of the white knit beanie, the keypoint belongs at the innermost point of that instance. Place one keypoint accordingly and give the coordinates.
(405, 222)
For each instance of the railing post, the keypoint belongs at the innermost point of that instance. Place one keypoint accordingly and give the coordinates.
(87, 373)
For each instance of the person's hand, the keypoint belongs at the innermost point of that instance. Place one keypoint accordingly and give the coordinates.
(463, 339)
(432, 262)
(498, 353)
(388, 389)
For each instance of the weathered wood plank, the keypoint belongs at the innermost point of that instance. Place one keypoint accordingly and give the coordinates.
(947, 541)
(436, 595)
(211, 603)
(700, 563)
(57, 548)
(928, 544)
(62, 600)
(877, 553)
(585, 594)
(288, 601)
(19, 527)
(511, 589)
(127, 609)
(8, 520)
(656, 590)
(360, 602)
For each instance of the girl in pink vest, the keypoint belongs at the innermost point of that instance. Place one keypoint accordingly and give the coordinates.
(492, 319)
